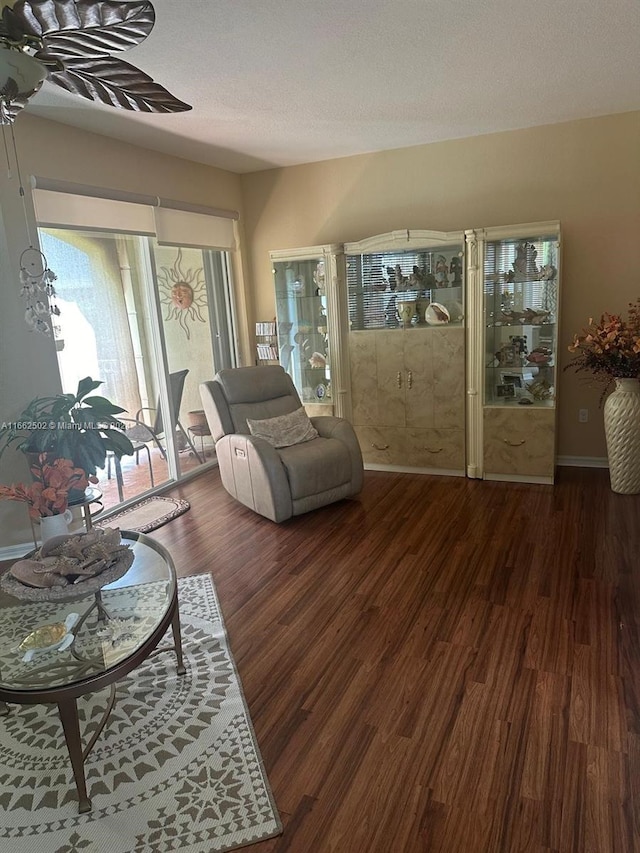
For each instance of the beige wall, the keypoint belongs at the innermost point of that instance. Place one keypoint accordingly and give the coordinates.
(28, 365)
(584, 173)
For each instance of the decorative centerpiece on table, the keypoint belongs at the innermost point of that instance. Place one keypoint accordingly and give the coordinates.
(48, 496)
(70, 566)
(610, 351)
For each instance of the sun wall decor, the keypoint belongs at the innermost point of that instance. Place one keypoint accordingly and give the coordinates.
(183, 293)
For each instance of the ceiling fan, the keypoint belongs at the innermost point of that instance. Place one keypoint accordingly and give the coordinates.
(70, 43)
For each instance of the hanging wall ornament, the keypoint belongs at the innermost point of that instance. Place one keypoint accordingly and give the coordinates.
(183, 292)
(38, 291)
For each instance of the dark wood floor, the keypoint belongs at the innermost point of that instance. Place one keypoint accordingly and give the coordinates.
(440, 665)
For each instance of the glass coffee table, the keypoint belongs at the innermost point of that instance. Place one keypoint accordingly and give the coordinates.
(56, 651)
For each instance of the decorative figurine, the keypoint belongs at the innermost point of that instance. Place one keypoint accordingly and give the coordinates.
(391, 273)
(319, 278)
(416, 279)
(442, 271)
(401, 280)
(524, 266)
(455, 271)
(548, 272)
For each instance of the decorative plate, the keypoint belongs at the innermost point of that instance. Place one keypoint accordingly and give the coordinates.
(13, 587)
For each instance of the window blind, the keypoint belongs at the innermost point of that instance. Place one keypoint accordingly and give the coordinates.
(173, 222)
(184, 228)
(68, 210)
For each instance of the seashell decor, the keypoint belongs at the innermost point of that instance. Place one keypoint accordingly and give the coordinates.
(437, 314)
(63, 561)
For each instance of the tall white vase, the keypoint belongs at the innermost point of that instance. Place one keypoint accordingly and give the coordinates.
(55, 525)
(622, 431)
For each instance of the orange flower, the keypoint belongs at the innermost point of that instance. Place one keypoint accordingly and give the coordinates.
(49, 493)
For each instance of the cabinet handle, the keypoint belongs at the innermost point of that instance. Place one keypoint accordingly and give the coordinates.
(375, 446)
(409, 378)
(399, 379)
(514, 443)
(429, 450)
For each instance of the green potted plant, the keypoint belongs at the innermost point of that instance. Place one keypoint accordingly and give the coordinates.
(76, 426)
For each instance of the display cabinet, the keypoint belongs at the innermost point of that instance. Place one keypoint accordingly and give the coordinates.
(405, 295)
(513, 301)
(311, 325)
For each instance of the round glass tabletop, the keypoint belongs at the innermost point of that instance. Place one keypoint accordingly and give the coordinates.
(45, 645)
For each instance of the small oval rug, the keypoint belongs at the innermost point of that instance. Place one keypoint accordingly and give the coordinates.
(147, 515)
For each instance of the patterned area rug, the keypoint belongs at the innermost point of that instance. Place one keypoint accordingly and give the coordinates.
(177, 767)
(147, 515)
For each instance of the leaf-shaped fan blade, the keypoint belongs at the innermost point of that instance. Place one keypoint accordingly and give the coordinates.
(116, 83)
(12, 25)
(85, 27)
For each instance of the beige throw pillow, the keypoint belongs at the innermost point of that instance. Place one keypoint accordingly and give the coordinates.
(284, 430)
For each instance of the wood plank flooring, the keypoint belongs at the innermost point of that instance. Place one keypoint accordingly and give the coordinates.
(439, 665)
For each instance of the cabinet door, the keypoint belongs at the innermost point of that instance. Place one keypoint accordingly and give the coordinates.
(303, 327)
(377, 378)
(391, 376)
(448, 365)
(419, 379)
(519, 442)
(364, 377)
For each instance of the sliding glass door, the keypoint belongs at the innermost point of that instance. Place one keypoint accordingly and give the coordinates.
(192, 289)
(151, 322)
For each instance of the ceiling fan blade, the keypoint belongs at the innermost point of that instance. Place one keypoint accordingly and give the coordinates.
(111, 81)
(84, 27)
(11, 25)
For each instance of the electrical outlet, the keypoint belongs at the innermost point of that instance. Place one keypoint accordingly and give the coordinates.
(583, 415)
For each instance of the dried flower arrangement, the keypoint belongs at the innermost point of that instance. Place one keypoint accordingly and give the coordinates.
(49, 493)
(609, 349)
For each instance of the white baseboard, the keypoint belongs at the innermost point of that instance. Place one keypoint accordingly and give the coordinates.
(583, 461)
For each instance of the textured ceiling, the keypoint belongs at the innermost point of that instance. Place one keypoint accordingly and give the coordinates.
(282, 82)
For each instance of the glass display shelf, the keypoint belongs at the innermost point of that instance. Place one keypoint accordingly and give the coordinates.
(403, 288)
(520, 310)
(302, 326)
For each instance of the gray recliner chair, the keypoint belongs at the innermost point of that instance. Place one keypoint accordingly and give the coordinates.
(277, 482)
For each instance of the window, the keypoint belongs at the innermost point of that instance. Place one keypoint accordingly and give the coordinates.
(142, 301)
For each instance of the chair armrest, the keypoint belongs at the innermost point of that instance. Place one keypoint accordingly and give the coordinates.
(329, 426)
(251, 470)
(138, 419)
